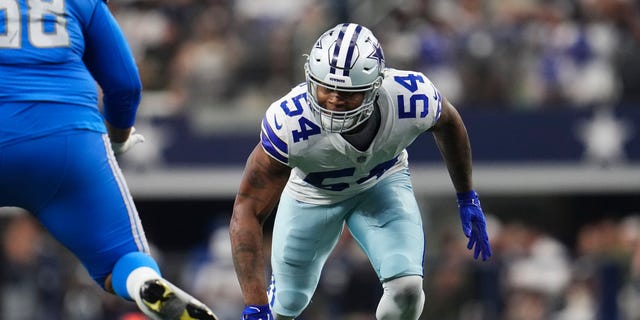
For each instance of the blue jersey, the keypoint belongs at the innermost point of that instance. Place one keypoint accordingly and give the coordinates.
(56, 159)
(53, 54)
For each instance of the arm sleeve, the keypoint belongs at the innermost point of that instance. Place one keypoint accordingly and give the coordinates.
(111, 62)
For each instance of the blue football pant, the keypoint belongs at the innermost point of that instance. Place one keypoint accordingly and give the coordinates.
(385, 221)
(72, 184)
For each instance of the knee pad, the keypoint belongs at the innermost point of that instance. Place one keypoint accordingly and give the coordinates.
(403, 299)
(290, 303)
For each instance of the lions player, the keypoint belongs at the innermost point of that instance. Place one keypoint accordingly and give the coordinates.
(57, 155)
(332, 152)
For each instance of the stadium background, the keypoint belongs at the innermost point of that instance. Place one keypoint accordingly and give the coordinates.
(550, 93)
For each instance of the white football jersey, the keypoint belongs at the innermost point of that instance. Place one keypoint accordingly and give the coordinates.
(325, 167)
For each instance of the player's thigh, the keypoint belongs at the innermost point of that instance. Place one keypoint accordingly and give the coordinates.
(303, 237)
(388, 227)
(31, 171)
(92, 212)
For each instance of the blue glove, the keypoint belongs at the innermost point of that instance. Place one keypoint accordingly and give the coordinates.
(253, 312)
(473, 224)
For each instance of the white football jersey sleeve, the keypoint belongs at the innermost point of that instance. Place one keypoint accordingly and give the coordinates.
(325, 167)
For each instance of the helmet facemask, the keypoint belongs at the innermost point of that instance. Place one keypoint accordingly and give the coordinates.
(353, 65)
(341, 121)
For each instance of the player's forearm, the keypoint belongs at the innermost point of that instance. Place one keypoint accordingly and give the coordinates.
(259, 191)
(248, 259)
(454, 145)
(117, 134)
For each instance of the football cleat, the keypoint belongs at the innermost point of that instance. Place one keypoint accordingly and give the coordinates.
(160, 300)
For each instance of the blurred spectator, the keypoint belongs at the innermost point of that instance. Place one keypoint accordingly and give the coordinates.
(349, 274)
(152, 36)
(32, 274)
(204, 71)
(449, 288)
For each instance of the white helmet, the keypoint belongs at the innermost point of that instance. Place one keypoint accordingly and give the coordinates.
(345, 58)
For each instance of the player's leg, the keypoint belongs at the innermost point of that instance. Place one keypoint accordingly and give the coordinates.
(157, 297)
(388, 227)
(303, 237)
(30, 172)
(93, 214)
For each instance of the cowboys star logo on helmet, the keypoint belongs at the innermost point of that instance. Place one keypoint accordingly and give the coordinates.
(377, 54)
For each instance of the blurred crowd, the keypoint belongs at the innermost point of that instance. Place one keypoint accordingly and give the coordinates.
(533, 275)
(238, 56)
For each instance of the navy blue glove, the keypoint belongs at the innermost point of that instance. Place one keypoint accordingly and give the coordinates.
(253, 312)
(473, 224)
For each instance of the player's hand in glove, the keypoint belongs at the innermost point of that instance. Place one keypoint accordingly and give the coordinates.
(133, 139)
(253, 312)
(474, 225)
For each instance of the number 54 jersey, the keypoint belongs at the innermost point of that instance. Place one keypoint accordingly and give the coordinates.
(325, 167)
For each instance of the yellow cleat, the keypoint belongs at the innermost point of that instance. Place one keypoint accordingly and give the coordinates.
(163, 301)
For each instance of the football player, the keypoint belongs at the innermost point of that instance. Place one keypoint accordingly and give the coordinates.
(332, 154)
(57, 153)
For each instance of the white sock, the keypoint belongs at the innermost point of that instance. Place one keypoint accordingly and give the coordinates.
(138, 277)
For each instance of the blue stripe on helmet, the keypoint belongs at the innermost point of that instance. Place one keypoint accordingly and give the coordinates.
(352, 48)
(336, 49)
